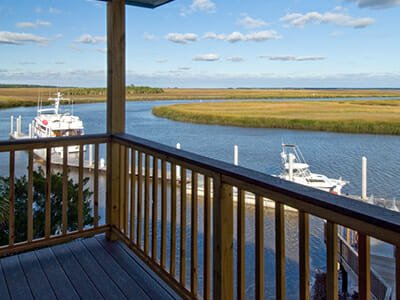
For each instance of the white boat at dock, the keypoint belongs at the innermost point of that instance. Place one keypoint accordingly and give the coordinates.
(296, 169)
(51, 122)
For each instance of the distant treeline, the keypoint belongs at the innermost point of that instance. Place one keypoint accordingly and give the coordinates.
(17, 86)
(130, 90)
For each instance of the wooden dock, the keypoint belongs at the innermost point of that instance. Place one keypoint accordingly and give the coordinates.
(382, 270)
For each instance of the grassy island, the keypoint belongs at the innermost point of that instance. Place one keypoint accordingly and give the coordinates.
(372, 116)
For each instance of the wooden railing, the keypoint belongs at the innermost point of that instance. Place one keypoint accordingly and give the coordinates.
(170, 182)
(41, 154)
(176, 210)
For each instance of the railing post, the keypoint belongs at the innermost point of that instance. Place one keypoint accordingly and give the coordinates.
(223, 240)
(115, 105)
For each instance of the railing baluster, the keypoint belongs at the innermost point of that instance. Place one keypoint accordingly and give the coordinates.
(96, 186)
(241, 230)
(65, 191)
(364, 267)
(154, 210)
(207, 237)
(146, 203)
(172, 268)
(122, 188)
(304, 262)
(125, 191)
(280, 250)
(163, 213)
(332, 259)
(223, 240)
(30, 196)
(11, 224)
(80, 191)
(193, 256)
(133, 194)
(397, 279)
(182, 258)
(259, 247)
(47, 226)
(139, 200)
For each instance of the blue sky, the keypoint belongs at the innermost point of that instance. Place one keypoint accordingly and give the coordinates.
(206, 43)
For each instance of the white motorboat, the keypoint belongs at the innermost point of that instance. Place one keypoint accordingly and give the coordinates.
(50, 122)
(296, 169)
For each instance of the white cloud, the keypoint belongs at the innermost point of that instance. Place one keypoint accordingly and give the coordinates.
(376, 3)
(89, 39)
(27, 63)
(236, 36)
(249, 22)
(203, 5)
(36, 24)
(199, 5)
(101, 50)
(184, 68)
(293, 58)
(161, 61)
(54, 11)
(336, 18)
(181, 38)
(206, 57)
(235, 58)
(15, 38)
(149, 37)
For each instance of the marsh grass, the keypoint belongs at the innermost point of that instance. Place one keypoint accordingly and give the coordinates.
(27, 96)
(376, 117)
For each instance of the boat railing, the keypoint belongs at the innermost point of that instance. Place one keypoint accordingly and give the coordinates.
(203, 246)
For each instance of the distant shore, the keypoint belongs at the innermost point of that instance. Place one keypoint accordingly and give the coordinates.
(27, 96)
(369, 116)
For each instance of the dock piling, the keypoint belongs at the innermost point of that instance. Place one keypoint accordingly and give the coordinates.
(364, 179)
(236, 155)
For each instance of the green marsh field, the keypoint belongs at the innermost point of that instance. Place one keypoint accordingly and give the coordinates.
(370, 116)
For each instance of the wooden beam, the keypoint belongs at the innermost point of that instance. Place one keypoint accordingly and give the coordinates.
(364, 267)
(115, 105)
(223, 240)
(332, 260)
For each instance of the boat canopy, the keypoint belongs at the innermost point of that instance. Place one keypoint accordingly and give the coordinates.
(145, 3)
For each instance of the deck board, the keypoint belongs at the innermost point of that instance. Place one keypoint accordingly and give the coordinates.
(92, 268)
(3, 286)
(153, 288)
(126, 284)
(78, 277)
(38, 282)
(17, 285)
(56, 275)
(101, 280)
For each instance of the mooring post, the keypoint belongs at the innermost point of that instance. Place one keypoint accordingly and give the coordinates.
(30, 130)
(90, 155)
(236, 155)
(364, 179)
(12, 125)
(178, 168)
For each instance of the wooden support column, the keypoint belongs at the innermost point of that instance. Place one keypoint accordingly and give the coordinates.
(223, 240)
(115, 105)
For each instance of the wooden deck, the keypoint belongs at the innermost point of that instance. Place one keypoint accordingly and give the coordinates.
(92, 268)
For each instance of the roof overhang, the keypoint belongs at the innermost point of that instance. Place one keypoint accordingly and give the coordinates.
(146, 3)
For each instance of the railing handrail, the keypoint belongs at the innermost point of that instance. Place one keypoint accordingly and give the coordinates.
(26, 144)
(372, 220)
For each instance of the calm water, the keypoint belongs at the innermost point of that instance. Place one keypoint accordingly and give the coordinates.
(332, 154)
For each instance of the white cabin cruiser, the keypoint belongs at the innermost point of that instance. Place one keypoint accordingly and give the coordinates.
(296, 169)
(50, 122)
